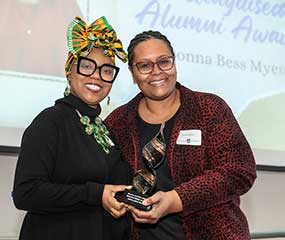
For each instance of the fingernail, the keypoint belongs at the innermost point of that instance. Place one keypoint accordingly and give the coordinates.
(145, 202)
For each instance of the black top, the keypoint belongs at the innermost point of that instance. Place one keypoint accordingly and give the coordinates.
(170, 226)
(60, 176)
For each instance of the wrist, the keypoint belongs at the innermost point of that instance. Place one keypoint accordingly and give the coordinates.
(175, 202)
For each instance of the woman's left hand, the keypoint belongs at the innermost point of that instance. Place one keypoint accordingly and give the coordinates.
(163, 203)
(110, 204)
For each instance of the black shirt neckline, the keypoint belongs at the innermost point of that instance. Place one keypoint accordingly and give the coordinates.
(76, 103)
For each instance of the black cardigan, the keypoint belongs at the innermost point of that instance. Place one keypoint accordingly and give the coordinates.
(60, 176)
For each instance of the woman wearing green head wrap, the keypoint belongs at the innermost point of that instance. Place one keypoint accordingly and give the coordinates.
(69, 167)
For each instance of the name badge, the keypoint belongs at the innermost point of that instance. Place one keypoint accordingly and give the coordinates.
(190, 137)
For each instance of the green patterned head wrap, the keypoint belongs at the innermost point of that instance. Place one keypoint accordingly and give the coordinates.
(81, 38)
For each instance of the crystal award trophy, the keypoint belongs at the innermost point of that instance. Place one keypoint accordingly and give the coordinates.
(144, 180)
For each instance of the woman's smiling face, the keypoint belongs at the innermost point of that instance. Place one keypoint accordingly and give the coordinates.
(158, 84)
(90, 89)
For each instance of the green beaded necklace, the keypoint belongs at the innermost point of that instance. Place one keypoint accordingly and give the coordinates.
(99, 131)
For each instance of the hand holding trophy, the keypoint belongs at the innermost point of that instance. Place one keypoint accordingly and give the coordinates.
(144, 180)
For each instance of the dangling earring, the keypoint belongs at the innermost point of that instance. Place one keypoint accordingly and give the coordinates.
(66, 91)
(108, 100)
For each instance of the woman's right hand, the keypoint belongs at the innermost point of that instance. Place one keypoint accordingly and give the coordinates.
(110, 204)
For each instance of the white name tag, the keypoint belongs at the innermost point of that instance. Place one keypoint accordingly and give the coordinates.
(190, 137)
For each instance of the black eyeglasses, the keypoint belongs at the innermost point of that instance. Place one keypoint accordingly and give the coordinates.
(87, 67)
(163, 63)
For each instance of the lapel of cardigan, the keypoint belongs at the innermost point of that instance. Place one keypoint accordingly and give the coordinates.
(133, 130)
(186, 117)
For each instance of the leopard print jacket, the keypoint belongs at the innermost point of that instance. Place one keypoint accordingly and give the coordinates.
(208, 178)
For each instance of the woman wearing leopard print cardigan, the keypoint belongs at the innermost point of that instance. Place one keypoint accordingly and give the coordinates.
(207, 167)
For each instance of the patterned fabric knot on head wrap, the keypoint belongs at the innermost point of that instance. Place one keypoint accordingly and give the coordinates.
(81, 38)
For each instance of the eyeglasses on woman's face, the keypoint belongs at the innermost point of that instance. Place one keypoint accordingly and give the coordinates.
(163, 63)
(87, 67)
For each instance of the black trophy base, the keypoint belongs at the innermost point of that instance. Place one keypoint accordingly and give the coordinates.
(133, 198)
